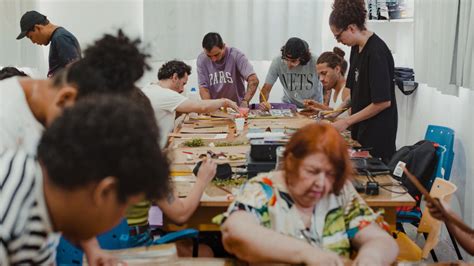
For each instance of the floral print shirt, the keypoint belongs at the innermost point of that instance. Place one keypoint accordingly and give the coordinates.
(336, 218)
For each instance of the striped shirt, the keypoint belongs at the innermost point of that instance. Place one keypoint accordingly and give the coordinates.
(26, 234)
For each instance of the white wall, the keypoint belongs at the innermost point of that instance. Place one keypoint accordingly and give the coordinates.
(89, 20)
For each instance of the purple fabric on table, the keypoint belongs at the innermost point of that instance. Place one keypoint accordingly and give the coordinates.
(279, 106)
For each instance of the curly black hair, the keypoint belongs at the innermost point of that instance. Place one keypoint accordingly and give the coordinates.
(167, 70)
(106, 135)
(296, 48)
(333, 59)
(212, 39)
(111, 64)
(8, 72)
(347, 12)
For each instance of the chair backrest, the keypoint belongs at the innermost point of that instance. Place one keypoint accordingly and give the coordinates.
(116, 238)
(443, 190)
(68, 254)
(444, 136)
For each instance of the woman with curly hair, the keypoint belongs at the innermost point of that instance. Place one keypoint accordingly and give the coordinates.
(309, 213)
(371, 80)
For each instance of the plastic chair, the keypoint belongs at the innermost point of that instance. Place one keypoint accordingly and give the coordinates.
(444, 136)
(428, 226)
(118, 238)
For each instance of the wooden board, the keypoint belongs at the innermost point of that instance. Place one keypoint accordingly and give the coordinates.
(180, 155)
(157, 254)
(239, 141)
(186, 129)
(165, 254)
(280, 123)
(188, 136)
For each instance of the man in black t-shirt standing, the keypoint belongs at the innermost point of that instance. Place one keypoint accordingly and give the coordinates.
(374, 116)
(64, 47)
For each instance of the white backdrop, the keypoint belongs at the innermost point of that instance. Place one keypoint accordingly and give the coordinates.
(258, 28)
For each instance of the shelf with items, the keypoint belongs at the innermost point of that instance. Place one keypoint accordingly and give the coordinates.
(399, 20)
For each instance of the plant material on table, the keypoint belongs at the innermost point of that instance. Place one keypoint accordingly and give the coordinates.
(197, 142)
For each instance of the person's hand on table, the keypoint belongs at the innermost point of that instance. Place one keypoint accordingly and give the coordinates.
(368, 259)
(341, 124)
(208, 169)
(231, 104)
(322, 258)
(99, 257)
(314, 105)
(265, 106)
(244, 103)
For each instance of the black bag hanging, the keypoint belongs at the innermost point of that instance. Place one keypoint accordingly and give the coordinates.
(404, 79)
(420, 160)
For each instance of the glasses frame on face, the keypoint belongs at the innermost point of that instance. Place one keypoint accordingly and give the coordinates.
(338, 35)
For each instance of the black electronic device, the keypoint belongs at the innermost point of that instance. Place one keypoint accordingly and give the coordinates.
(374, 166)
(256, 167)
(264, 150)
(223, 171)
(359, 187)
(372, 188)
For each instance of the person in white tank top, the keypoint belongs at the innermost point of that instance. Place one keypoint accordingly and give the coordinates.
(331, 68)
(336, 99)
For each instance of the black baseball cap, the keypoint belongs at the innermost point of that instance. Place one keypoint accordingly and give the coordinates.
(295, 48)
(28, 21)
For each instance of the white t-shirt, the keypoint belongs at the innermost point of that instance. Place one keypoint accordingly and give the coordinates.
(19, 129)
(164, 102)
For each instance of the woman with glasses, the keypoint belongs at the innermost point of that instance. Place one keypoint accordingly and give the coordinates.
(296, 69)
(371, 80)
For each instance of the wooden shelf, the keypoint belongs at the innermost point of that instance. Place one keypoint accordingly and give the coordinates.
(400, 20)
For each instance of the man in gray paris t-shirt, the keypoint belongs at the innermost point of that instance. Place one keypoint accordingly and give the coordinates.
(296, 69)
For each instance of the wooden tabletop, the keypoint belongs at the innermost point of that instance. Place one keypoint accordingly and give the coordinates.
(184, 158)
(216, 197)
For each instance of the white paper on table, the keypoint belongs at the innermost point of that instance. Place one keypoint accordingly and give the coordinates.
(265, 135)
(221, 136)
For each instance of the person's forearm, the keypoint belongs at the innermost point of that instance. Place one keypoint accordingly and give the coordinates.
(179, 210)
(254, 243)
(251, 88)
(464, 239)
(370, 111)
(204, 93)
(387, 251)
(89, 245)
(207, 106)
(266, 92)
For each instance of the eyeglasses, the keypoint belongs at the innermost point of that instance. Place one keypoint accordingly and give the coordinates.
(338, 36)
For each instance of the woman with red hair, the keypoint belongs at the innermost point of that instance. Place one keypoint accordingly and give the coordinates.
(309, 213)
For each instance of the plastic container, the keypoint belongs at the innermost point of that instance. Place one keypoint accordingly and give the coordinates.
(279, 157)
(193, 95)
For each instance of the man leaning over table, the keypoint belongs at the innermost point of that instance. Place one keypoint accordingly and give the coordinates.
(222, 72)
(166, 99)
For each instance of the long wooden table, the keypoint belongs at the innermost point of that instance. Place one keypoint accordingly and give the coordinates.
(216, 200)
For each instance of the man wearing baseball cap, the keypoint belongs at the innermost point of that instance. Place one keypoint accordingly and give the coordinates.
(296, 69)
(64, 47)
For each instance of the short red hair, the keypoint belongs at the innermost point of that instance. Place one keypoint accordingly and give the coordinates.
(319, 138)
